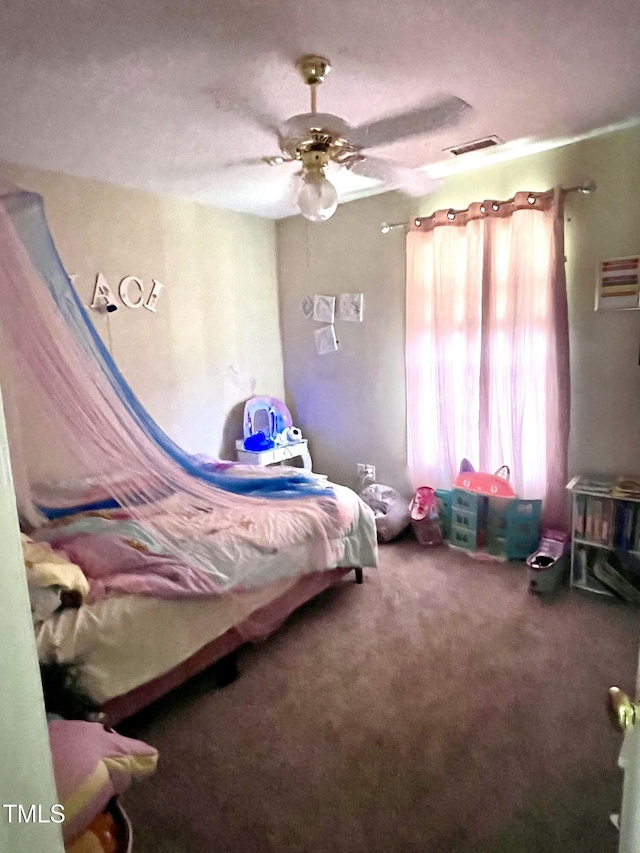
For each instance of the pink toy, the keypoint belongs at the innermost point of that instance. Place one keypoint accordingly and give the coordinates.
(553, 544)
(424, 517)
(547, 565)
(494, 485)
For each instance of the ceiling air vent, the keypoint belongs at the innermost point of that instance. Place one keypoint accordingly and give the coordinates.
(476, 145)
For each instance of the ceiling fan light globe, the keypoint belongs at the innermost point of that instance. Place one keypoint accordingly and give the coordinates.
(317, 198)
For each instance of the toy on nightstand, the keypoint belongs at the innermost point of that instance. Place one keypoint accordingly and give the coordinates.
(266, 419)
(269, 435)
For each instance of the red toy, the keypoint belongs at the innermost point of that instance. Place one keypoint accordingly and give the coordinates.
(424, 517)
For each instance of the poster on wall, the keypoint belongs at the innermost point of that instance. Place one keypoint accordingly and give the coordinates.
(618, 288)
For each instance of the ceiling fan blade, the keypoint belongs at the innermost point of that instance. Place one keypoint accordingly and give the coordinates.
(200, 170)
(423, 119)
(248, 161)
(413, 182)
(266, 160)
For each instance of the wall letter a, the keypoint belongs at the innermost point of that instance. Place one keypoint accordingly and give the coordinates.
(103, 292)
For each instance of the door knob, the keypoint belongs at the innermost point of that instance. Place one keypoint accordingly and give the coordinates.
(623, 713)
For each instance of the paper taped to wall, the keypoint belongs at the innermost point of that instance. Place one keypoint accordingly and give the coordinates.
(324, 308)
(325, 339)
(351, 307)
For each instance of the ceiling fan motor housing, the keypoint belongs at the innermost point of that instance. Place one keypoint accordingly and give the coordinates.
(315, 157)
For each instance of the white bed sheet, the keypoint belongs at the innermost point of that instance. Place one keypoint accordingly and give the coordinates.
(126, 641)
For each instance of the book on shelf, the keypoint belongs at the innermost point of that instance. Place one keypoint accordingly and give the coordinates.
(579, 516)
(599, 520)
(580, 566)
(607, 522)
(627, 527)
(594, 513)
(588, 521)
(584, 574)
(619, 571)
(627, 487)
(596, 585)
(593, 484)
(608, 486)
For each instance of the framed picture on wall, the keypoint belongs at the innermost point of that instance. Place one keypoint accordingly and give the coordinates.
(618, 287)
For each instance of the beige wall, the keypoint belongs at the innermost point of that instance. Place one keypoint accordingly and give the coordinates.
(215, 336)
(351, 404)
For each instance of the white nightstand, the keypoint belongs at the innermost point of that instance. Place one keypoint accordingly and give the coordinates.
(280, 453)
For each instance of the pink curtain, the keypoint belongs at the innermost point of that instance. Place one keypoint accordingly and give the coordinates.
(488, 346)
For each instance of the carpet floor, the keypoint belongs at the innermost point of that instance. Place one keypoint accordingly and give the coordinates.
(438, 707)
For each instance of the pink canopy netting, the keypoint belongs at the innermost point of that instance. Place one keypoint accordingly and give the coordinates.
(67, 425)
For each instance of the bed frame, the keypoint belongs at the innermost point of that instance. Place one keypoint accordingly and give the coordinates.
(220, 653)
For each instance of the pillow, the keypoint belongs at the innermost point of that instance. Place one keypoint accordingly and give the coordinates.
(91, 765)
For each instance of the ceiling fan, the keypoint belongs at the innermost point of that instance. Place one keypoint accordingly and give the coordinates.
(322, 140)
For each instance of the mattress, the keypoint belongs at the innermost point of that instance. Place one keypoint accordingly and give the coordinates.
(128, 640)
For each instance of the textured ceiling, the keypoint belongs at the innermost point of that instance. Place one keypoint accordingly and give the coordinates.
(167, 95)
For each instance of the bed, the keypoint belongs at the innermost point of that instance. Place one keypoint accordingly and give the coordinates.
(253, 544)
(135, 648)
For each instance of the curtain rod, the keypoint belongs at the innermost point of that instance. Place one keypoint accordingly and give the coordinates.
(585, 188)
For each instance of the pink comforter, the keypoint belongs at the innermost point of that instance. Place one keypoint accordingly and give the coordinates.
(113, 566)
